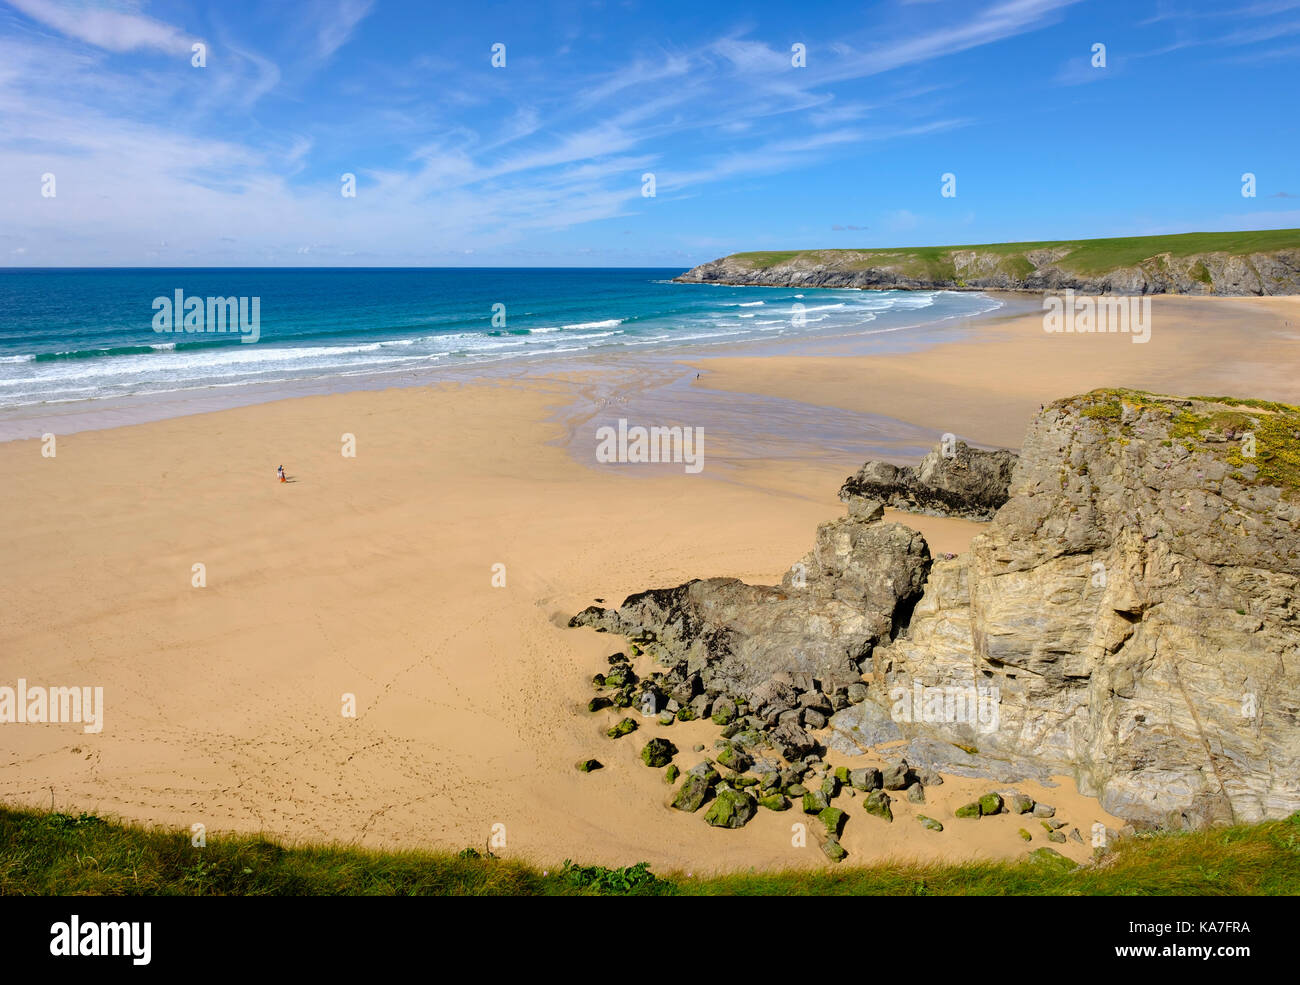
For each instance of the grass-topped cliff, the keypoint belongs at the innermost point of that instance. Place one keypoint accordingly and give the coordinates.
(45, 853)
(1234, 263)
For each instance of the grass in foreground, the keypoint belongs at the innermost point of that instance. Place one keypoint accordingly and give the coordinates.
(62, 854)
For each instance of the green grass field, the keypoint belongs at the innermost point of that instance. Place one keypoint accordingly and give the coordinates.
(45, 853)
(1086, 256)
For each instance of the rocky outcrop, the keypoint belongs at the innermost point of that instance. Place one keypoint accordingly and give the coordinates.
(1135, 606)
(1130, 618)
(952, 480)
(1047, 269)
(722, 636)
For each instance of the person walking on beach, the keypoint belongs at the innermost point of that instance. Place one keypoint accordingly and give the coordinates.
(280, 473)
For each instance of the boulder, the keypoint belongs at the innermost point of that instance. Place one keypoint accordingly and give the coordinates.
(658, 752)
(731, 809)
(814, 802)
(832, 819)
(624, 727)
(833, 850)
(866, 779)
(898, 776)
(877, 803)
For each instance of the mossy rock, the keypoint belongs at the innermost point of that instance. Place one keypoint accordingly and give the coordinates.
(658, 752)
(686, 714)
(672, 773)
(832, 820)
(796, 790)
(842, 774)
(830, 787)
(929, 823)
(814, 802)
(770, 781)
(617, 658)
(724, 711)
(624, 727)
(623, 698)
(1056, 836)
(867, 779)
(666, 718)
(968, 810)
(1026, 835)
(877, 804)
(833, 850)
(990, 804)
(736, 780)
(598, 680)
(588, 765)
(733, 758)
(1021, 804)
(775, 802)
(597, 703)
(620, 675)
(749, 738)
(692, 794)
(634, 649)
(731, 809)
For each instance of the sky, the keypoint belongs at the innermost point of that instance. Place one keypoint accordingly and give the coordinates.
(542, 158)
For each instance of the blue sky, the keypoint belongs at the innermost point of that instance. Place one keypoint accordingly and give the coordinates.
(157, 162)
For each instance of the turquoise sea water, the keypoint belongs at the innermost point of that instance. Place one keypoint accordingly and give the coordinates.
(74, 336)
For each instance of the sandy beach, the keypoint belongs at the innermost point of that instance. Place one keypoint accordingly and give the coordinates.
(373, 576)
(986, 388)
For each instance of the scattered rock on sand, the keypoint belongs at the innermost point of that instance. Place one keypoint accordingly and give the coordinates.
(587, 765)
(733, 758)
(834, 850)
(814, 802)
(866, 779)
(731, 809)
(832, 820)
(899, 776)
(692, 794)
(878, 804)
(658, 752)
(623, 728)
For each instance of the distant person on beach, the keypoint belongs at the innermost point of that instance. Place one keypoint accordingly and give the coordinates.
(280, 473)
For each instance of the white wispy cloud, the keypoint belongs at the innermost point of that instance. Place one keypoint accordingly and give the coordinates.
(109, 28)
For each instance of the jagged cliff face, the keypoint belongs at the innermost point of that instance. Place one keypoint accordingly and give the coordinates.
(1137, 604)
(1254, 274)
(1131, 617)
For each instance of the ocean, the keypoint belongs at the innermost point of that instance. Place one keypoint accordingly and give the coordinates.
(77, 336)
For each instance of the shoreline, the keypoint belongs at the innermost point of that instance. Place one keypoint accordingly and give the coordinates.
(106, 413)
